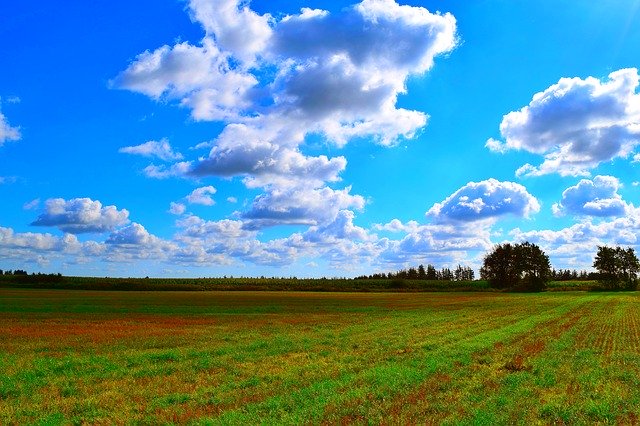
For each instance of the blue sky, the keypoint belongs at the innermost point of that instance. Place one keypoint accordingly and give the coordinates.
(217, 137)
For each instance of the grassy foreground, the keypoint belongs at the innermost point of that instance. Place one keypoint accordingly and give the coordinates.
(292, 358)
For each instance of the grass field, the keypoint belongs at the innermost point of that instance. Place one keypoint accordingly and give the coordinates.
(291, 358)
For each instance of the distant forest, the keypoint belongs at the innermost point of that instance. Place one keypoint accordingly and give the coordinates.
(465, 273)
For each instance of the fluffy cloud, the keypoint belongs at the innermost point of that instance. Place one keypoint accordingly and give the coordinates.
(36, 247)
(577, 245)
(236, 28)
(202, 196)
(8, 133)
(485, 200)
(341, 228)
(260, 155)
(134, 234)
(162, 172)
(158, 149)
(81, 215)
(296, 205)
(199, 77)
(37, 241)
(439, 244)
(597, 197)
(275, 81)
(576, 124)
(177, 208)
(347, 69)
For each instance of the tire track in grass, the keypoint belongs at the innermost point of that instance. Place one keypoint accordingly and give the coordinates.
(363, 332)
(600, 374)
(483, 377)
(370, 388)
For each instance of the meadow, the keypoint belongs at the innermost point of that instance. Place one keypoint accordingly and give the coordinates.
(80, 356)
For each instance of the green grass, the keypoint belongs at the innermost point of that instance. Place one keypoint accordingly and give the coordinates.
(291, 358)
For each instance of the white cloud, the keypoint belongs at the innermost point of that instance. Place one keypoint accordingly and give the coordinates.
(7, 132)
(236, 28)
(260, 155)
(396, 225)
(598, 197)
(576, 124)
(485, 200)
(232, 200)
(202, 196)
(577, 244)
(162, 172)
(200, 77)
(346, 70)
(177, 208)
(341, 228)
(299, 205)
(276, 81)
(158, 149)
(439, 244)
(134, 234)
(31, 204)
(37, 241)
(80, 215)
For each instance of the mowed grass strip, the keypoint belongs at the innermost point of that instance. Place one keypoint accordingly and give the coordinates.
(290, 358)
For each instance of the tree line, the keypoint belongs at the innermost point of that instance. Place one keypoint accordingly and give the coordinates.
(525, 267)
(428, 273)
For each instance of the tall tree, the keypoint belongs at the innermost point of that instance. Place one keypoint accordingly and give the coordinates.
(521, 267)
(618, 268)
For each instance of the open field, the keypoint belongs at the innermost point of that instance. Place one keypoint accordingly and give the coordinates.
(285, 357)
(237, 284)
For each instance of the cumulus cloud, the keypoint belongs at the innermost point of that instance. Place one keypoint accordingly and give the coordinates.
(485, 200)
(598, 197)
(202, 196)
(199, 77)
(285, 206)
(576, 124)
(7, 132)
(81, 215)
(134, 234)
(578, 243)
(275, 81)
(157, 149)
(439, 244)
(163, 172)
(236, 28)
(341, 228)
(261, 155)
(177, 208)
(37, 241)
(396, 225)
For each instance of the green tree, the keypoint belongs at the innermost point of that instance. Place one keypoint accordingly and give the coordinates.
(518, 267)
(422, 274)
(431, 273)
(618, 268)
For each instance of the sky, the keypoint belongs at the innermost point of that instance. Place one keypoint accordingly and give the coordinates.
(314, 138)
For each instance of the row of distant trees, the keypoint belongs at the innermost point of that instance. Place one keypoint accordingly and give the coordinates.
(525, 267)
(430, 273)
(16, 272)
